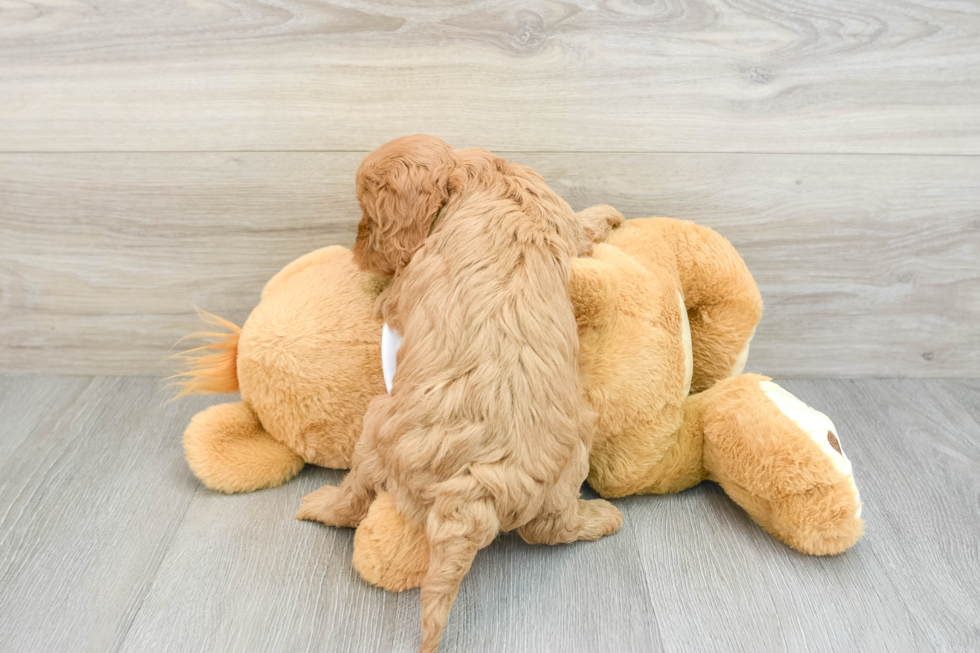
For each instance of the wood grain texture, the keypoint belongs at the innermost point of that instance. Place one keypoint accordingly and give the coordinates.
(966, 392)
(89, 503)
(868, 265)
(723, 584)
(296, 587)
(917, 461)
(108, 544)
(536, 75)
(298, 591)
(26, 401)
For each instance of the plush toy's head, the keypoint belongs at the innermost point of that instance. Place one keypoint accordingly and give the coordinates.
(401, 186)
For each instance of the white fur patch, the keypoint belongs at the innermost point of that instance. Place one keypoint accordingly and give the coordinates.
(816, 425)
(391, 340)
(688, 349)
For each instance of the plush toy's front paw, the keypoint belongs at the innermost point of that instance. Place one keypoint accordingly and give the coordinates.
(783, 462)
(322, 506)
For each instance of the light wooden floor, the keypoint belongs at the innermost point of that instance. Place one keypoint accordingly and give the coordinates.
(108, 543)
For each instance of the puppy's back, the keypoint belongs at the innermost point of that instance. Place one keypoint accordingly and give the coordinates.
(489, 370)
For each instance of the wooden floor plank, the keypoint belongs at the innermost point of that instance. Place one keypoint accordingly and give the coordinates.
(26, 400)
(868, 265)
(88, 506)
(724, 583)
(698, 75)
(243, 575)
(966, 393)
(587, 596)
(721, 583)
(917, 456)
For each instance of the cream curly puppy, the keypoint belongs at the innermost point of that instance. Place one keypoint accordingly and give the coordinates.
(486, 428)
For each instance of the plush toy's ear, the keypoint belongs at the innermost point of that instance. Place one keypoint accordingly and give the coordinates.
(594, 289)
(401, 186)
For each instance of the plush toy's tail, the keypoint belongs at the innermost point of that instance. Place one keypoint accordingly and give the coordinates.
(226, 445)
(211, 368)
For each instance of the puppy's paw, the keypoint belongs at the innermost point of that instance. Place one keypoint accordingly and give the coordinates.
(599, 220)
(601, 518)
(322, 506)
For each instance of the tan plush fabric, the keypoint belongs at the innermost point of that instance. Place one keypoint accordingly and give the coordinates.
(389, 550)
(723, 302)
(776, 471)
(309, 357)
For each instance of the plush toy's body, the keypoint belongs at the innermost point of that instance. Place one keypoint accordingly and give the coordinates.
(664, 308)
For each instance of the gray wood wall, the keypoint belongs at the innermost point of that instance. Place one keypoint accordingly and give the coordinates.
(157, 154)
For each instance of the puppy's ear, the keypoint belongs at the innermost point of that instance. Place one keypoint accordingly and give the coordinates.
(400, 197)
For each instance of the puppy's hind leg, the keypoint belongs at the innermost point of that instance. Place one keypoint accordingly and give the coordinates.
(578, 520)
(339, 505)
(347, 504)
(567, 518)
(458, 526)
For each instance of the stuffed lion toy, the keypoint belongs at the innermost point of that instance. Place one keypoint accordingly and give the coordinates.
(665, 310)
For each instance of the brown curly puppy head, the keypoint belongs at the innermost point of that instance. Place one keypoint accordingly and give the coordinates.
(401, 186)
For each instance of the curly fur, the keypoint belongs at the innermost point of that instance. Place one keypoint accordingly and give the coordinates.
(486, 428)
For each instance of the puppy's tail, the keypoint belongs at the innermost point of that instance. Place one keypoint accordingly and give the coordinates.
(211, 368)
(458, 526)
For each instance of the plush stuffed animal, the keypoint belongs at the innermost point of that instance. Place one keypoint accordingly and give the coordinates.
(665, 308)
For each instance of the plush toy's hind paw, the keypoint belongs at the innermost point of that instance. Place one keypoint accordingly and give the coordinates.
(826, 519)
(229, 451)
(389, 550)
(818, 427)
